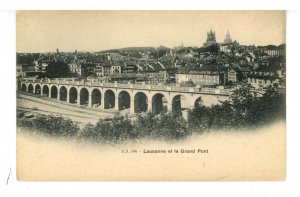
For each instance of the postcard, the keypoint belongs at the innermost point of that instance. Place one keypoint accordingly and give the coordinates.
(151, 95)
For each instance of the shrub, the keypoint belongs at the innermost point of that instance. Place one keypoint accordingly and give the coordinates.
(170, 127)
(53, 125)
(243, 109)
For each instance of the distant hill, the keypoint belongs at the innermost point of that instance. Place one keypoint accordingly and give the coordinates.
(128, 49)
(131, 49)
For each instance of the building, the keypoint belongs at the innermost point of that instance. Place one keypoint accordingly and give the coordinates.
(129, 68)
(227, 40)
(225, 48)
(171, 74)
(123, 77)
(245, 69)
(99, 70)
(27, 70)
(156, 76)
(91, 69)
(116, 68)
(234, 76)
(263, 79)
(273, 50)
(264, 76)
(40, 66)
(19, 70)
(207, 77)
(211, 38)
(202, 78)
(78, 69)
(106, 69)
(181, 77)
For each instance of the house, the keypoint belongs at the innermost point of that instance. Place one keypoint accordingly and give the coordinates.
(78, 69)
(276, 51)
(156, 76)
(106, 69)
(234, 75)
(263, 79)
(98, 70)
(116, 68)
(202, 78)
(265, 76)
(181, 77)
(207, 77)
(27, 70)
(129, 67)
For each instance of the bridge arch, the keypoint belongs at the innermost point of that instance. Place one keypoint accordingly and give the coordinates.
(46, 90)
(73, 93)
(159, 103)
(124, 100)
(84, 96)
(30, 88)
(109, 99)
(140, 102)
(63, 93)
(176, 103)
(198, 102)
(37, 89)
(54, 91)
(96, 97)
(24, 87)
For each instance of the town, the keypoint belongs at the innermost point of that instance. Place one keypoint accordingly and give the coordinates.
(214, 64)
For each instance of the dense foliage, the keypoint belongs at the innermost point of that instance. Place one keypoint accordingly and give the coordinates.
(214, 48)
(52, 125)
(119, 129)
(57, 70)
(146, 126)
(245, 108)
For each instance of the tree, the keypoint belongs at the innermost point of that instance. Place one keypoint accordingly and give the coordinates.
(214, 48)
(242, 97)
(274, 104)
(57, 70)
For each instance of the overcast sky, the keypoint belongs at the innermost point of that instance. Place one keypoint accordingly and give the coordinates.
(45, 31)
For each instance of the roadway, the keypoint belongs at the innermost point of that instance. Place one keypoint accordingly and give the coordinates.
(31, 103)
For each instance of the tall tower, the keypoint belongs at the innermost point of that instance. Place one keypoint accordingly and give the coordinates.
(227, 40)
(211, 38)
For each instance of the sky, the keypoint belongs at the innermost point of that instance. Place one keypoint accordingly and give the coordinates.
(45, 31)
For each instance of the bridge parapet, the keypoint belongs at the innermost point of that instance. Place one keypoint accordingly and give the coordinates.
(158, 87)
(138, 86)
(96, 83)
(122, 85)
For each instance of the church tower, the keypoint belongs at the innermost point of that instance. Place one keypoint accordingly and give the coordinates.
(227, 40)
(211, 38)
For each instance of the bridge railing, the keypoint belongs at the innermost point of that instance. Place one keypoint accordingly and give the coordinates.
(126, 85)
(158, 87)
(138, 86)
(225, 91)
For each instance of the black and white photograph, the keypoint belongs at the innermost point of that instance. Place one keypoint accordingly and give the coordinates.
(151, 95)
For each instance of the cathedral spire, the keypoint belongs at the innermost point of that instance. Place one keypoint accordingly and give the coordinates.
(227, 38)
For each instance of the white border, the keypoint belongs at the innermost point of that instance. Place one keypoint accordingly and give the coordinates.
(149, 4)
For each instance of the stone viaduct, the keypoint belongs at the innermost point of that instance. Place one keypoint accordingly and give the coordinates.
(119, 96)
